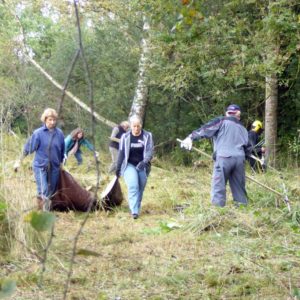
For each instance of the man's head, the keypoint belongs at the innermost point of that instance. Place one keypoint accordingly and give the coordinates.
(233, 110)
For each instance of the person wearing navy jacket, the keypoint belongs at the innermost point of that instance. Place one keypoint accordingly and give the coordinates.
(48, 144)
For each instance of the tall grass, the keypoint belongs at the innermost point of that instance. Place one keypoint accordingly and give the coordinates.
(18, 194)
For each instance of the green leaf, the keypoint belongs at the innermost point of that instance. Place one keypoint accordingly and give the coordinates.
(8, 287)
(41, 221)
(296, 293)
(3, 208)
(86, 252)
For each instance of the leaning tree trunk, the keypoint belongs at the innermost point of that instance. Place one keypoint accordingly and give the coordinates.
(271, 118)
(140, 99)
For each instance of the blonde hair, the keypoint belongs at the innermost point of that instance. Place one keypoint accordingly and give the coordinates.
(124, 124)
(49, 112)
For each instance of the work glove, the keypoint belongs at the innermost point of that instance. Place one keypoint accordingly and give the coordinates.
(17, 165)
(187, 143)
(96, 154)
(140, 166)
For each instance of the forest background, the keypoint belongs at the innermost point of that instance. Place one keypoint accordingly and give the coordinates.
(177, 64)
(201, 56)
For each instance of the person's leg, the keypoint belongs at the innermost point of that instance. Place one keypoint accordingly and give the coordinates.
(114, 157)
(78, 157)
(41, 178)
(142, 184)
(237, 181)
(220, 176)
(54, 177)
(40, 175)
(132, 182)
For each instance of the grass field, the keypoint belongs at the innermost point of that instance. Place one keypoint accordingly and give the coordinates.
(180, 248)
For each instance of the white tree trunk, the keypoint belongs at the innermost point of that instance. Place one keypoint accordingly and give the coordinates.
(140, 99)
(271, 118)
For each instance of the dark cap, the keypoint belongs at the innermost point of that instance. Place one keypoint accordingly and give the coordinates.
(233, 108)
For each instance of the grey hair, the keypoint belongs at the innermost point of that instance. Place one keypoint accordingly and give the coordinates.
(236, 114)
(135, 118)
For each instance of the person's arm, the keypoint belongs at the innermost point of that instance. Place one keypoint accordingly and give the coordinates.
(208, 130)
(67, 143)
(88, 144)
(121, 156)
(30, 146)
(63, 150)
(114, 132)
(149, 149)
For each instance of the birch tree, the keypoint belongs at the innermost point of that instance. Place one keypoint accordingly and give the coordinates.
(140, 99)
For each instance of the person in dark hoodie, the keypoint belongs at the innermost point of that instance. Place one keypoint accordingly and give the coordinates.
(257, 149)
(115, 137)
(230, 140)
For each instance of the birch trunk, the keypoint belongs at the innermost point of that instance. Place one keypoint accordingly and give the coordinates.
(271, 118)
(140, 99)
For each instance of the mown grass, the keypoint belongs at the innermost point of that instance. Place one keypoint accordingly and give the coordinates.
(180, 248)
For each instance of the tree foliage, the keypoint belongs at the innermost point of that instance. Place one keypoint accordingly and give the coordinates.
(203, 55)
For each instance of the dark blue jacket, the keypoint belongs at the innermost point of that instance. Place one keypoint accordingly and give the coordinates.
(48, 146)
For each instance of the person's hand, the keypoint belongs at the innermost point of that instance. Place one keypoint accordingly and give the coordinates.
(140, 166)
(96, 154)
(187, 143)
(17, 165)
(65, 159)
(263, 150)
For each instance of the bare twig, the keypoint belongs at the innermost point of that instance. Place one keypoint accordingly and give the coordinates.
(91, 99)
(60, 102)
(44, 259)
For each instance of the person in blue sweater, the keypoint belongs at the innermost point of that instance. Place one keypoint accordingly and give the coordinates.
(73, 142)
(48, 144)
(231, 147)
(135, 154)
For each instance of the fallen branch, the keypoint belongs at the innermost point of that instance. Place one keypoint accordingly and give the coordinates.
(70, 95)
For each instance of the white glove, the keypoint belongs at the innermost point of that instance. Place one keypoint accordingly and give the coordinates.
(187, 143)
(97, 154)
(17, 165)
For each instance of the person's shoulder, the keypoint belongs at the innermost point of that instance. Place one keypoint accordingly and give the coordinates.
(39, 130)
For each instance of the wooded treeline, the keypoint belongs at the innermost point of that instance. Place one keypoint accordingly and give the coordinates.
(200, 56)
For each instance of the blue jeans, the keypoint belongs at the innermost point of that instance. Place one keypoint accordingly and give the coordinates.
(136, 182)
(78, 157)
(46, 183)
